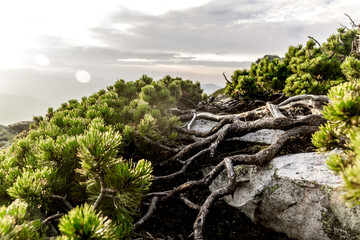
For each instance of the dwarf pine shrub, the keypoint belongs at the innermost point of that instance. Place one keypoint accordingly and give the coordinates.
(309, 69)
(342, 131)
(83, 148)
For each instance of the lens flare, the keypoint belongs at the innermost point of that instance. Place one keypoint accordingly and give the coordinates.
(83, 76)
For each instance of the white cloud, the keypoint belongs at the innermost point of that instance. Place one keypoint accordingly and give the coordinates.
(157, 7)
(42, 60)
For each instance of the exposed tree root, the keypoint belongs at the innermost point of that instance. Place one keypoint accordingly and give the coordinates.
(284, 116)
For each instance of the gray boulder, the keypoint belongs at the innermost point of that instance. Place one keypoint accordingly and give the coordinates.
(295, 194)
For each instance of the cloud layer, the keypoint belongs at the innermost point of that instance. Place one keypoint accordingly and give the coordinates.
(197, 42)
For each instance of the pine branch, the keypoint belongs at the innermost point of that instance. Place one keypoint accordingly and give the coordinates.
(226, 78)
(148, 214)
(352, 22)
(58, 215)
(64, 200)
(317, 43)
(102, 192)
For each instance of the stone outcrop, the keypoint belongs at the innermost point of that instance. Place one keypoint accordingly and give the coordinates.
(20, 126)
(295, 194)
(6, 136)
(8, 133)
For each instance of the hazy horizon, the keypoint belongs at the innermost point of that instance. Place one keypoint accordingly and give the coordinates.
(53, 51)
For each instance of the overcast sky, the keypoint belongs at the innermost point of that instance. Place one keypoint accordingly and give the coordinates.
(53, 51)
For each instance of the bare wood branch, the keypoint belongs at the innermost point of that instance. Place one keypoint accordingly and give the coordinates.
(317, 43)
(64, 200)
(156, 194)
(226, 78)
(220, 137)
(221, 124)
(274, 110)
(352, 22)
(213, 197)
(331, 55)
(265, 155)
(47, 220)
(192, 121)
(241, 128)
(344, 27)
(148, 214)
(189, 203)
(321, 98)
(185, 166)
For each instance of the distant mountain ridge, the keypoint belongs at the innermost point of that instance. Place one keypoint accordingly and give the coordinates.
(6, 136)
(209, 88)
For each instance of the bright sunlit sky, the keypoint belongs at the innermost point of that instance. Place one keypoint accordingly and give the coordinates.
(53, 51)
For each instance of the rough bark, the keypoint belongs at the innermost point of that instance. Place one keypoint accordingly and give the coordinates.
(284, 116)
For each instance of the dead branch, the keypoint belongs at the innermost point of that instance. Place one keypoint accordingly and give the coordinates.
(265, 155)
(241, 128)
(317, 43)
(331, 55)
(352, 22)
(47, 220)
(192, 120)
(148, 214)
(260, 158)
(189, 203)
(213, 197)
(226, 78)
(274, 110)
(206, 143)
(346, 28)
(321, 98)
(259, 112)
(226, 120)
(64, 200)
(185, 166)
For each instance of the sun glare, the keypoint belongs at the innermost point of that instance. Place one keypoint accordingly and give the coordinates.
(83, 76)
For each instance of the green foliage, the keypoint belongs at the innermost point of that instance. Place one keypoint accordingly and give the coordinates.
(97, 150)
(84, 144)
(351, 68)
(16, 223)
(126, 182)
(33, 186)
(84, 222)
(312, 69)
(342, 132)
(186, 93)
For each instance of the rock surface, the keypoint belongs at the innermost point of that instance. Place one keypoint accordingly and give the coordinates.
(295, 194)
(6, 136)
(20, 126)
